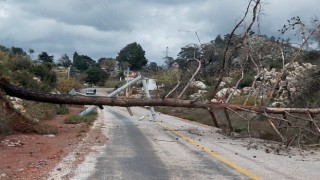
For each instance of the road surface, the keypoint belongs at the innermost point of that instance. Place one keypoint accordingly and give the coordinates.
(144, 150)
(173, 148)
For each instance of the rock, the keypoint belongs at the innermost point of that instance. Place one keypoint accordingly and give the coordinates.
(291, 84)
(227, 79)
(308, 66)
(50, 135)
(12, 143)
(223, 93)
(222, 84)
(198, 84)
(198, 94)
(214, 100)
(246, 90)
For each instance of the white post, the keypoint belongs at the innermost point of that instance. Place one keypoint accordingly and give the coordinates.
(146, 91)
(69, 68)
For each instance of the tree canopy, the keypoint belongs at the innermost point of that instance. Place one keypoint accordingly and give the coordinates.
(65, 61)
(95, 75)
(45, 58)
(134, 55)
(82, 62)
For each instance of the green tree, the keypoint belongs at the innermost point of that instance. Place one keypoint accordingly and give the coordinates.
(188, 52)
(45, 58)
(95, 75)
(65, 61)
(109, 65)
(82, 62)
(18, 51)
(218, 41)
(153, 66)
(134, 55)
(168, 61)
(46, 74)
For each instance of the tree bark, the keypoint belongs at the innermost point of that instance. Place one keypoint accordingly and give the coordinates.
(28, 94)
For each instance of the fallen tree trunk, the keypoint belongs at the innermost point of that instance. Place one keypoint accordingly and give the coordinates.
(28, 94)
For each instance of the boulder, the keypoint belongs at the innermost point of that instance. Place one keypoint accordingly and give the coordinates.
(198, 84)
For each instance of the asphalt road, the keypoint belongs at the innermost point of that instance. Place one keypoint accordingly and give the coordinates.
(173, 148)
(141, 149)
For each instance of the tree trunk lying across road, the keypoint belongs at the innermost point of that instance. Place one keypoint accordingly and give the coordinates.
(28, 94)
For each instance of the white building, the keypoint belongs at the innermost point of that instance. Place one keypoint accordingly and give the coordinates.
(151, 83)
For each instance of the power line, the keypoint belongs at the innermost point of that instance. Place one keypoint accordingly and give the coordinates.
(118, 20)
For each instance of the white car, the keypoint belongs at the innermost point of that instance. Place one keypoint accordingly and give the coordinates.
(91, 91)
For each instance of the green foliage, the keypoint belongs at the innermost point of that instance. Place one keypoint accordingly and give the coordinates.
(46, 74)
(188, 52)
(25, 78)
(23, 71)
(43, 111)
(87, 119)
(19, 63)
(45, 58)
(312, 57)
(153, 66)
(246, 81)
(18, 51)
(277, 64)
(65, 85)
(218, 41)
(169, 77)
(168, 61)
(95, 75)
(5, 128)
(108, 64)
(310, 96)
(134, 55)
(65, 61)
(241, 99)
(82, 62)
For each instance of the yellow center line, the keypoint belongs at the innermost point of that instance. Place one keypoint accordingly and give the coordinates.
(211, 153)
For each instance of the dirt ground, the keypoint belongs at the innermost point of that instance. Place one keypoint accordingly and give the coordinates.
(33, 156)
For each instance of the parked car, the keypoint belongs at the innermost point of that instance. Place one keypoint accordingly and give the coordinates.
(91, 91)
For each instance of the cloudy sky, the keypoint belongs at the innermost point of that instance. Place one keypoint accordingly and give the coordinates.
(101, 28)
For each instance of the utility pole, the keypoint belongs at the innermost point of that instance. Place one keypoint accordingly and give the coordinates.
(127, 80)
(166, 58)
(167, 52)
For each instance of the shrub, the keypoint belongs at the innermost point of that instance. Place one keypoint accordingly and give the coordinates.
(241, 99)
(65, 85)
(246, 81)
(42, 111)
(277, 64)
(87, 119)
(4, 126)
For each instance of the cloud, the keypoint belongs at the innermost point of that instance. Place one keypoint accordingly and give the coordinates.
(101, 29)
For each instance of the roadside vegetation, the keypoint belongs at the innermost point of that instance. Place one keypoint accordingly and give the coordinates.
(87, 119)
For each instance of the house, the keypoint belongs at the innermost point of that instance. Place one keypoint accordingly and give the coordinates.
(129, 75)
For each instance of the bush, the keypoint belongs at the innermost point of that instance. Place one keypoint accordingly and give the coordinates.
(42, 111)
(277, 64)
(87, 119)
(239, 100)
(5, 128)
(246, 81)
(19, 63)
(65, 85)
(25, 78)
